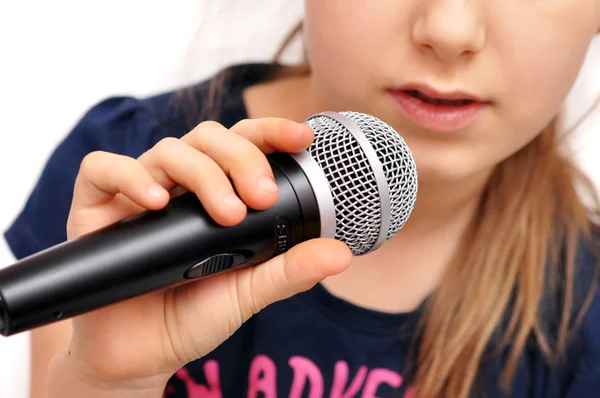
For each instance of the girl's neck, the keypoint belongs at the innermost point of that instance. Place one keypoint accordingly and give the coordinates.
(405, 270)
(291, 98)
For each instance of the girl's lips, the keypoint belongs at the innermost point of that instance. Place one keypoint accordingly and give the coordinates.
(439, 112)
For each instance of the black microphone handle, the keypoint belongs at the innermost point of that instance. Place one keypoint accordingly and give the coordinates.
(154, 250)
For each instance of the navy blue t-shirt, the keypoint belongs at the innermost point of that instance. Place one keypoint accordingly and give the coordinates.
(310, 345)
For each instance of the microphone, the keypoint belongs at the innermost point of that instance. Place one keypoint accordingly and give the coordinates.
(357, 183)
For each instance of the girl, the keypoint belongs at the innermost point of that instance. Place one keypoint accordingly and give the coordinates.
(490, 288)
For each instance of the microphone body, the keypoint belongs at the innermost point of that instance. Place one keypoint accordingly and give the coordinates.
(154, 250)
(357, 183)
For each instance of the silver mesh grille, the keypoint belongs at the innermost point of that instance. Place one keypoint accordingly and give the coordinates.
(353, 182)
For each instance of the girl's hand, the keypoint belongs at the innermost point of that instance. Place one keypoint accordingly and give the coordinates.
(138, 344)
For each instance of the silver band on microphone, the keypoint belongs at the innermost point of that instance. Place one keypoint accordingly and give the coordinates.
(377, 167)
(322, 191)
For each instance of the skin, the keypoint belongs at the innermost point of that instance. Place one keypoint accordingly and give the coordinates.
(520, 56)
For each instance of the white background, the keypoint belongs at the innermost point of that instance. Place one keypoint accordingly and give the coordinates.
(58, 58)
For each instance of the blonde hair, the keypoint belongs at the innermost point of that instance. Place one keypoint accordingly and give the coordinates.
(520, 250)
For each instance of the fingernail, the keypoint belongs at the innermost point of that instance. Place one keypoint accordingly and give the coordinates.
(303, 129)
(232, 200)
(156, 191)
(266, 183)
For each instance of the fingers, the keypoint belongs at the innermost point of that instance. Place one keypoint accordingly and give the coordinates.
(211, 161)
(241, 160)
(295, 271)
(103, 175)
(275, 134)
(172, 162)
(239, 153)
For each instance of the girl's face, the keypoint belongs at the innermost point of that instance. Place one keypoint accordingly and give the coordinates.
(502, 67)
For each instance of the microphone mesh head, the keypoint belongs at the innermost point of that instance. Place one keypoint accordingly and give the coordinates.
(353, 179)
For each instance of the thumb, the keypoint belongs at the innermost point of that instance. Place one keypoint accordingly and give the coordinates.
(295, 271)
(240, 294)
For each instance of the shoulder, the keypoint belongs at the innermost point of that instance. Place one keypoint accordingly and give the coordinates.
(131, 125)
(126, 125)
(123, 125)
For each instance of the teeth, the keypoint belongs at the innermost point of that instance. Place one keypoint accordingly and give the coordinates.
(439, 102)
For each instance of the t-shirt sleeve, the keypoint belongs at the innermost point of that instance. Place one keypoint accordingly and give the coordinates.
(121, 125)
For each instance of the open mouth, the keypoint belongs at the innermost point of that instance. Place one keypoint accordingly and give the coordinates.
(438, 111)
(438, 101)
